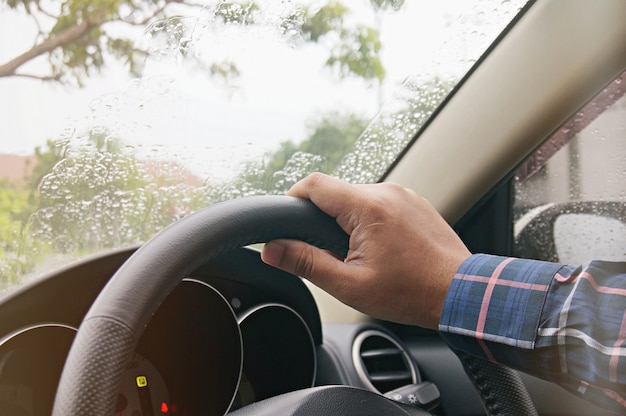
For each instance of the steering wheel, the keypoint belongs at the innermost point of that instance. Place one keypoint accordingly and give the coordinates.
(106, 338)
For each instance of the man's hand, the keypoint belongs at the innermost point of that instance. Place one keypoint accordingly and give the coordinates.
(402, 255)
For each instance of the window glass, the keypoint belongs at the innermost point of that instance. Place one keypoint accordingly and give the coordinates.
(570, 196)
(167, 107)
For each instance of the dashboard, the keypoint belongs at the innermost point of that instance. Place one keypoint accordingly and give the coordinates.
(234, 332)
(231, 333)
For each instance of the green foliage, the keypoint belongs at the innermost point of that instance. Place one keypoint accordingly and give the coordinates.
(80, 41)
(12, 203)
(327, 19)
(82, 196)
(47, 156)
(357, 54)
(390, 132)
(91, 193)
(354, 50)
(343, 145)
(100, 196)
(125, 51)
(18, 251)
(242, 13)
(333, 136)
(387, 4)
(330, 138)
(227, 71)
(84, 36)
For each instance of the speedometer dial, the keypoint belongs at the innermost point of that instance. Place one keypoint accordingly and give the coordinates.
(194, 341)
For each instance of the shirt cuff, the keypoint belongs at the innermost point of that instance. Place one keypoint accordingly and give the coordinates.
(495, 301)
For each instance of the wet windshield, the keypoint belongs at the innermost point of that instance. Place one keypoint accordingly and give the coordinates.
(120, 117)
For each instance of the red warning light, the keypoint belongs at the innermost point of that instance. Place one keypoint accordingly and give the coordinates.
(164, 408)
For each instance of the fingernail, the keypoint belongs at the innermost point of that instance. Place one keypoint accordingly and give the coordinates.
(272, 253)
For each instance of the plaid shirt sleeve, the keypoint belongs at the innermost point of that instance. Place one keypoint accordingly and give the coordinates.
(562, 323)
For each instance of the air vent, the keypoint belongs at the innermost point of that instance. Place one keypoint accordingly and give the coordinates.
(381, 362)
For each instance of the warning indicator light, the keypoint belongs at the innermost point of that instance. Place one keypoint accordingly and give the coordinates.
(142, 381)
(164, 407)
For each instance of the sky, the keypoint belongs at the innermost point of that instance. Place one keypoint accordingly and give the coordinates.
(183, 111)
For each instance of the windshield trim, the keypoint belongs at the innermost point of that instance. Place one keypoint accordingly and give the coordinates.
(522, 12)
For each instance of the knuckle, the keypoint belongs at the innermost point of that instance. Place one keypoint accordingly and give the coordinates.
(304, 263)
(314, 179)
(392, 186)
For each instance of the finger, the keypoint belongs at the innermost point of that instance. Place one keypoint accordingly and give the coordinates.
(330, 194)
(319, 266)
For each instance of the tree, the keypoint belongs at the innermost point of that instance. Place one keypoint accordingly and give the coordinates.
(73, 35)
(18, 251)
(379, 7)
(99, 195)
(46, 157)
(90, 192)
(70, 215)
(390, 132)
(78, 37)
(356, 49)
(394, 5)
(343, 145)
(330, 138)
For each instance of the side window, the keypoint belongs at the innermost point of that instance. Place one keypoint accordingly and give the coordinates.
(570, 195)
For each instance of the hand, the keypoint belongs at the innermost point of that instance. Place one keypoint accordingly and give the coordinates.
(402, 254)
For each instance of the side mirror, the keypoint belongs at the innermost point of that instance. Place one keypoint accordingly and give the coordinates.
(573, 232)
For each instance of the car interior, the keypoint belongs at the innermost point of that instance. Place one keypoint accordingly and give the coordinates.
(218, 331)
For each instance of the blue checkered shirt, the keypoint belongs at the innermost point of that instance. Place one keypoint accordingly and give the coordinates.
(562, 323)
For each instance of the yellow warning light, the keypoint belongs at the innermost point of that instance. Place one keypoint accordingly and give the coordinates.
(142, 381)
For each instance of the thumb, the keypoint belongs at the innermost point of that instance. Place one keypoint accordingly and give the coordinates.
(302, 259)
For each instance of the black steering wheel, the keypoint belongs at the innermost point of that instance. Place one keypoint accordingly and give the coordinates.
(110, 331)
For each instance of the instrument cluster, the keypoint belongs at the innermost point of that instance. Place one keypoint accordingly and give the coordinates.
(222, 339)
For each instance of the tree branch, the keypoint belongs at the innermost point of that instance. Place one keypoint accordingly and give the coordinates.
(45, 45)
(71, 34)
(39, 77)
(147, 18)
(157, 12)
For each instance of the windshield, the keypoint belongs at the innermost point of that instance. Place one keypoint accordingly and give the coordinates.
(121, 117)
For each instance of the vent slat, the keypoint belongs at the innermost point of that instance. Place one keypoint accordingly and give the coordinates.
(380, 352)
(390, 376)
(382, 362)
